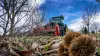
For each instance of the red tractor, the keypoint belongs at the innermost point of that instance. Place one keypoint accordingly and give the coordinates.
(55, 27)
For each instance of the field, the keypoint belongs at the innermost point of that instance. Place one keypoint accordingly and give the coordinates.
(38, 45)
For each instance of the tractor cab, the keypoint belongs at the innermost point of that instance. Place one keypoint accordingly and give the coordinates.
(58, 21)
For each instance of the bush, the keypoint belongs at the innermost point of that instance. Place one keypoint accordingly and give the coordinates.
(84, 30)
(93, 32)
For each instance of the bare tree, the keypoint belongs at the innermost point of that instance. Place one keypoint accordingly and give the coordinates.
(35, 19)
(12, 12)
(95, 26)
(11, 9)
(88, 14)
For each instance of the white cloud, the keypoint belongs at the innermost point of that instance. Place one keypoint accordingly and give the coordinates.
(76, 24)
(97, 19)
(66, 15)
(40, 2)
(70, 7)
(37, 2)
(72, 14)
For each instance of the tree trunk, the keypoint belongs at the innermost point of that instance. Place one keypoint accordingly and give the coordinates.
(12, 27)
(12, 20)
(88, 28)
(4, 34)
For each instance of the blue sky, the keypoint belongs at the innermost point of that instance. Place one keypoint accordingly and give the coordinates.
(70, 9)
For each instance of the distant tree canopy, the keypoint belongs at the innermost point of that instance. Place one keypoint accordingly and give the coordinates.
(95, 27)
(93, 32)
(84, 30)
